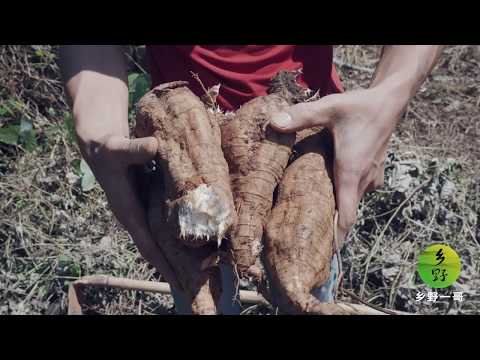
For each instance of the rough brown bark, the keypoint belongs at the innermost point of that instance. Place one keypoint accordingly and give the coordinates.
(202, 286)
(257, 157)
(299, 233)
(191, 158)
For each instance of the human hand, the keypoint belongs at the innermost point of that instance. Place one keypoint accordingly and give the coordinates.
(113, 158)
(361, 123)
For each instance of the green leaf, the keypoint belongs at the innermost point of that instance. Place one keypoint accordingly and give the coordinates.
(75, 164)
(15, 104)
(21, 204)
(6, 108)
(4, 111)
(75, 270)
(27, 134)
(131, 88)
(142, 85)
(30, 141)
(69, 127)
(64, 260)
(10, 134)
(25, 126)
(139, 85)
(131, 80)
(68, 266)
(88, 179)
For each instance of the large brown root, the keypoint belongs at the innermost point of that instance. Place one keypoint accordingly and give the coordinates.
(257, 157)
(197, 183)
(299, 233)
(200, 284)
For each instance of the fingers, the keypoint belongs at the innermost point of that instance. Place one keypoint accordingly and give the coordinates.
(378, 181)
(351, 182)
(376, 178)
(112, 169)
(305, 115)
(134, 151)
(125, 204)
(126, 207)
(346, 186)
(140, 151)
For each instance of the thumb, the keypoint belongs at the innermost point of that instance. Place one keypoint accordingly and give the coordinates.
(306, 115)
(347, 201)
(138, 151)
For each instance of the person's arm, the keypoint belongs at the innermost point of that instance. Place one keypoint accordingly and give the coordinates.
(96, 85)
(362, 121)
(405, 67)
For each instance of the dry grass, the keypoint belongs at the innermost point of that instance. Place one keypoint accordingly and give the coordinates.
(52, 232)
(437, 139)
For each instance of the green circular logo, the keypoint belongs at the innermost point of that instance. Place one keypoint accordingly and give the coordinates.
(439, 266)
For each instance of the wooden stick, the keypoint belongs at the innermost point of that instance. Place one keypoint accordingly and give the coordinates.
(75, 295)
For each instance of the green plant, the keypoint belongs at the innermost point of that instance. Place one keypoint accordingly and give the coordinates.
(19, 134)
(138, 85)
(87, 177)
